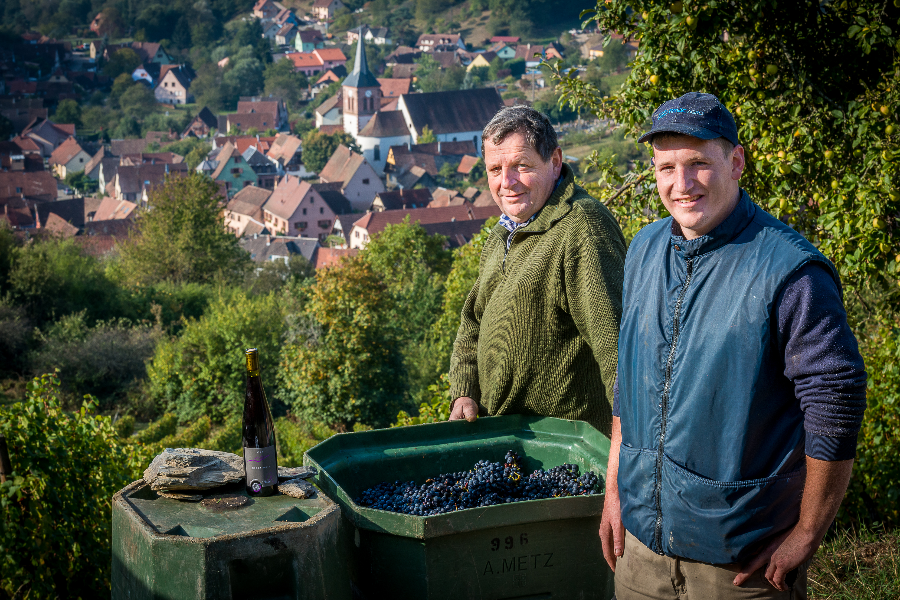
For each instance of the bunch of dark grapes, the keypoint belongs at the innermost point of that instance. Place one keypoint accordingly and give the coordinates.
(485, 485)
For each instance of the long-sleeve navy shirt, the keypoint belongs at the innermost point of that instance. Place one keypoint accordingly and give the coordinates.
(822, 359)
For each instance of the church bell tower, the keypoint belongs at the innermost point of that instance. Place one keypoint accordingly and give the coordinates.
(362, 93)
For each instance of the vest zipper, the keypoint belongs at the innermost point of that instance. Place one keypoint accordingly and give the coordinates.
(664, 409)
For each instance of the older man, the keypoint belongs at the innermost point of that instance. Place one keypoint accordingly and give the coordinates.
(539, 327)
(740, 387)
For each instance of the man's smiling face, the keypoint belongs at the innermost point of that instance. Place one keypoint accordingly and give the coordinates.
(520, 180)
(697, 181)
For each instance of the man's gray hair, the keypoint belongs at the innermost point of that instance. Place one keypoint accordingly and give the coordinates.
(534, 125)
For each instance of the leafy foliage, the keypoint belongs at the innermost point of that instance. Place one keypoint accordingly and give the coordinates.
(53, 278)
(874, 493)
(820, 146)
(318, 147)
(56, 511)
(433, 410)
(198, 373)
(281, 81)
(182, 238)
(344, 364)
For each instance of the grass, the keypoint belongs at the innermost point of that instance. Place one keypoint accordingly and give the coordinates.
(857, 564)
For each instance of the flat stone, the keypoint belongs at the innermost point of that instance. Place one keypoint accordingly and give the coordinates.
(223, 502)
(297, 488)
(193, 469)
(183, 497)
(296, 472)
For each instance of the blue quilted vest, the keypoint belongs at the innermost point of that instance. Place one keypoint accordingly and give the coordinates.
(712, 457)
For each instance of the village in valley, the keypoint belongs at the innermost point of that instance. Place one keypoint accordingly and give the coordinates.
(353, 128)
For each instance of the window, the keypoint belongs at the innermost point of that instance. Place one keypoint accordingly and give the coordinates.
(312, 200)
(246, 183)
(18, 190)
(300, 225)
(237, 171)
(365, 182)
(321, 210)
(304, 212)
(326, 224)
(377, 150)
(356, 234)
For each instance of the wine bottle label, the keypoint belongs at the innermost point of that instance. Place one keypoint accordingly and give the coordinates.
(261, 467)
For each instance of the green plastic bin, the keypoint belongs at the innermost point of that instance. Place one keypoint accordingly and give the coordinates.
(274, 548)
(525, 550)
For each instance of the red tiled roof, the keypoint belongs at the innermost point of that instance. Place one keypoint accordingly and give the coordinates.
(375, 222)
(65, 152)
(332, 54)
(466, 164)
(332, 257)
(394, 87)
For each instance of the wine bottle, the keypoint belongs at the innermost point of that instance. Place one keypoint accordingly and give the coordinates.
(260, 464)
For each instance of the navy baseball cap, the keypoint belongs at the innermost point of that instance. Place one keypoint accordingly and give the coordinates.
(695, 114)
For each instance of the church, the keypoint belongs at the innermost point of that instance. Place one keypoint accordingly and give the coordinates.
(452, 116)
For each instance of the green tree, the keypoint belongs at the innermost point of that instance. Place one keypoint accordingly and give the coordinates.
(459, 282)
(197, 155)
(245, 73)
(431, 77)
(614, 57)
(53, 278)
(343, 364)
(318, 147)
(427, 136)
(413, 266)
(6, 128)
(67, 111)
(123, 61)
(80, 182)
(182, 238)
(199, 372)
(55, 510)
(283, 82)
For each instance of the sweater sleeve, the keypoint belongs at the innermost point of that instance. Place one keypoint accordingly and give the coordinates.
(464, 360)
(822, 359)
(594, 289)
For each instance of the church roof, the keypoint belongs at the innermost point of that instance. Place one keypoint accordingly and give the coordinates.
(361, 77)
(454, 111)
(385, 124)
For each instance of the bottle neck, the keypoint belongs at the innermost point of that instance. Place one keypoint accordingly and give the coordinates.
(254, 373)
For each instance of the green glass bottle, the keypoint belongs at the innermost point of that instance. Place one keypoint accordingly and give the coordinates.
(260, 462)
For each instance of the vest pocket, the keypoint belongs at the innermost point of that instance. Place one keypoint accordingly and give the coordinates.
(636, 481)
(723, 522)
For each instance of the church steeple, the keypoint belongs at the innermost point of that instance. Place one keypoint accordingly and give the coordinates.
(362, 93)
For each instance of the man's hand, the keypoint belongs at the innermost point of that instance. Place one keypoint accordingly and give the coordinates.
(612, 532)
(787, 551)
(464, 408)
(826, 483)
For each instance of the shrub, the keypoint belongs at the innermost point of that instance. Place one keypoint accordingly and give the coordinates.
(202, 371)
(15, 333)
(52, 278)
(165, 426)
(192, 435)
(874, 492)
(345, 365)
(56, 509)
(103, 361)
(296, 437)
(124, 426)
(433, 410)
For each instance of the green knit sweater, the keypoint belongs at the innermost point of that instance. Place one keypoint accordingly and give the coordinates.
(539, 328)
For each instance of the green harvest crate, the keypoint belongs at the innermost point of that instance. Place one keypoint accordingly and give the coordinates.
(535, 549)
(275, 548)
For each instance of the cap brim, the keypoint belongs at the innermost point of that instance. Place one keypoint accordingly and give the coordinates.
(697, 132)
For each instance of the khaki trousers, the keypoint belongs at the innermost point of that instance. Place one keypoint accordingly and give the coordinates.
(641, 574)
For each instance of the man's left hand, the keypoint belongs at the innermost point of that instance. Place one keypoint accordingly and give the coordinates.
(787, 551)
